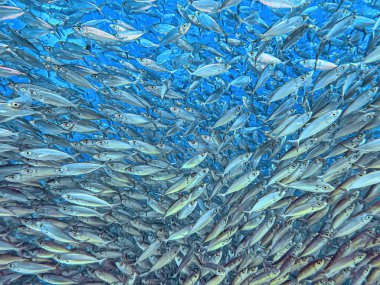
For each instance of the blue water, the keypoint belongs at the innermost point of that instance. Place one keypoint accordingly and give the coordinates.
(122, 200)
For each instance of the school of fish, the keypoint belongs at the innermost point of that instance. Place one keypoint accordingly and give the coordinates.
(189, 142)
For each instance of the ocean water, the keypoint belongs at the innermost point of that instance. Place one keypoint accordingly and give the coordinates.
(189, 142)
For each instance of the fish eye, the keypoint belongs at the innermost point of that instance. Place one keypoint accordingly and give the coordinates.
(15, 104)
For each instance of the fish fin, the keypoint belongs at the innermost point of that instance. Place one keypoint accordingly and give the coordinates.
(295, 142)
(320, 178)
(282, 184)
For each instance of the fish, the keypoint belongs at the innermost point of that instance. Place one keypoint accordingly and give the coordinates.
(193, 142)
(213, 69)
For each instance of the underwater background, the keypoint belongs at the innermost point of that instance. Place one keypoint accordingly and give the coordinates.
(189, 142)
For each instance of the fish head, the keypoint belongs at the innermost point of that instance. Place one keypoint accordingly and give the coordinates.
(193, 143)
(369, 116)
(293, 166)
(247, 156)
(27, 154)
(274, 272)
(75, 234)
(13, 266)
(14, 105)
(141, 60)
(325, 187)
(14, 177)
(367, 217)
(215, 212)
(193, 18)
(254, 174)
(206, 138)
(359, 256)
(175, 110)
(102, 143)
(78, 29)
(184, 28)
(203, 155)
(195, 276)
(226, 66)
(336, 113)
(174, 252)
